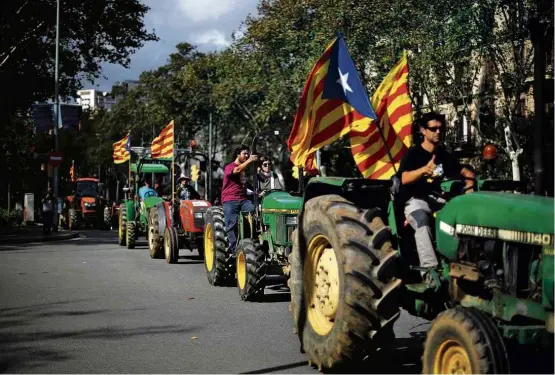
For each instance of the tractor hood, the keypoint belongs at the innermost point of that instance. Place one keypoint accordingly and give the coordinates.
(508, 211)
(281, 202)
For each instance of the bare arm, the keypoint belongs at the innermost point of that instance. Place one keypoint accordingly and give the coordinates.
(238, 169)
(467, 173)
(411, 177)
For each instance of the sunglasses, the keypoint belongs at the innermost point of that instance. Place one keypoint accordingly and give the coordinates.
(434, 129)
(265, 164)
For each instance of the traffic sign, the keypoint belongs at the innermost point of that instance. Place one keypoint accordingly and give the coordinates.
(55, 158)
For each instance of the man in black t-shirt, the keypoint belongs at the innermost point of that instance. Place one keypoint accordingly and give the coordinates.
(421, 171)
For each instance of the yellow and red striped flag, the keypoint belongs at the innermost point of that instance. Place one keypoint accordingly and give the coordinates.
(162, 146)
(333, 100)
(121, 150)
(394, 109)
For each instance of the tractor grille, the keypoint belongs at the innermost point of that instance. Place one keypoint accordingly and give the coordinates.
(199, 221)
(284, 232)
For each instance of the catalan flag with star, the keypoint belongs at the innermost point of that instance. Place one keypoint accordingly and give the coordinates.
(121, 150)
(333, 100)
(374, 158)
(162, 146)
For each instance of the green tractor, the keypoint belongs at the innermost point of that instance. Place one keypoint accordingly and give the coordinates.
(354, 266)
(133, 213)
(264, 241)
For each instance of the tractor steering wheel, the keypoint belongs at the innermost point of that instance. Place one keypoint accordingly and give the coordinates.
(150, 193)
(462, 179)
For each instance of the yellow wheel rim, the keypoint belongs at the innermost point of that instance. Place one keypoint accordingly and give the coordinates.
(241, 270)
(70, 224)
(321, 280)
(452, 358)
(208, 247)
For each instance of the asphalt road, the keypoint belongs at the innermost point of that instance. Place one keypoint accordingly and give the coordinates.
(89, 306)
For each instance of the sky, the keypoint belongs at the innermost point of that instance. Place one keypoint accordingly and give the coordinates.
(208, 24)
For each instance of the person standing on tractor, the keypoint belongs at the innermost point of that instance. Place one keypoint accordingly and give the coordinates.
(267, 179)
(186, 191)
(422, 168)
(234, 193)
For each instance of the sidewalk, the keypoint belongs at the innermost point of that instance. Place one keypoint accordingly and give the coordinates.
(33, 234)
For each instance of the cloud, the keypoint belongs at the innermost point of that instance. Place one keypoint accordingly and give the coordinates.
(208, 24)
(211, 37)
(202, 10)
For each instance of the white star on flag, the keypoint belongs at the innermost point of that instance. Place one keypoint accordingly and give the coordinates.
(343, 81)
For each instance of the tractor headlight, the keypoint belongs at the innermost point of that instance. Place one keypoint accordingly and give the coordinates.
(291, 220)
(90, 205)
(198, 215)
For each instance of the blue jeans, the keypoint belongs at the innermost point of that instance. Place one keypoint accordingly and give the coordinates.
(231, 214)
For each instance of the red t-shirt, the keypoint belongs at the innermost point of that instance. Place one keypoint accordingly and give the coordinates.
(232, 187)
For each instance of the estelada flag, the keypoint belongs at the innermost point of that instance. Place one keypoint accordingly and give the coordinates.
(121, 150)
(333, 100)
(162, 146)
(394, 110)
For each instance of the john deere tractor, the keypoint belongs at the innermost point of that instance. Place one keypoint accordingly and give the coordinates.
(264, 240)
(133, 212)
(354, 266)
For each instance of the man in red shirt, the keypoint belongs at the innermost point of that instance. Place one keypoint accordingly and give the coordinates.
(234, 192)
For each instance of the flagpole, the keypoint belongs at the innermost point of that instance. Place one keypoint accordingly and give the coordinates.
(173, 162)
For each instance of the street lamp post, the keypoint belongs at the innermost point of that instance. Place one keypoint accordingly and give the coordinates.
(56, 110)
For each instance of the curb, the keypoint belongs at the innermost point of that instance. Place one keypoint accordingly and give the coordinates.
(20, 240)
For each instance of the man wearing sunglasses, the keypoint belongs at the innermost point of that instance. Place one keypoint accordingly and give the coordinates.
(422, 169)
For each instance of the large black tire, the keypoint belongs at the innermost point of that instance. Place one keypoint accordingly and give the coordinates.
(130, 235)
(107, 218)
(171, 245)
(251, 270)
(122, 226)
(344, 296)
(219, 263)
(155, 240)
(73, 217)
(464, 341)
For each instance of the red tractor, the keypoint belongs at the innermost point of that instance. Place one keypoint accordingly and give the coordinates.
(86, 205)
(178, 223)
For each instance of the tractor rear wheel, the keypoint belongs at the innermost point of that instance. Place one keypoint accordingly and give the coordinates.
(122, 226)
(219, 263)
(464, 341)
(73, 219)
(171, 245)
(344, 296)
(130, 235)
(251, 270)
(155, 241)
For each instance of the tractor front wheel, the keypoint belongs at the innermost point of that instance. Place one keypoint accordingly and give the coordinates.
(122, 226)
(171, 245)
(130, 234)
(155, 242)
(73, 219)
(218, 261)
(107, 218)
(464, 341)
(343, 290)
(251, 271)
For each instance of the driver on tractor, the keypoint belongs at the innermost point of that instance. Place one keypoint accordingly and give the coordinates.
(422, 169)
(146, 190)
(186, 191)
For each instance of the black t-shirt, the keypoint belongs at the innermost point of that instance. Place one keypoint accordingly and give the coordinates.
(417, 157)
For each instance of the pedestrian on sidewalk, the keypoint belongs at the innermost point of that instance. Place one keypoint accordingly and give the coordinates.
(47, 211)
